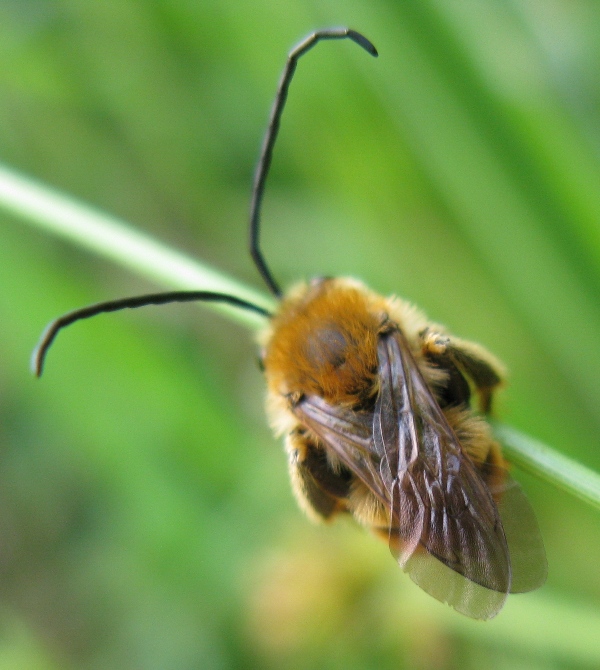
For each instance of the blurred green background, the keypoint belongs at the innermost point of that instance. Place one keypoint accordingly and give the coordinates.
(146, 520)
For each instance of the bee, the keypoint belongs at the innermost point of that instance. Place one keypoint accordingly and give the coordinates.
(375, 404)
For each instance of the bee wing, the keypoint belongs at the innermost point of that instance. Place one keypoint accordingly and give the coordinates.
(527, 559)
(350, 435)
(440, 502)
(527, 553)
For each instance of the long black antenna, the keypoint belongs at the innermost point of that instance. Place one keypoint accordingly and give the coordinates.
(264, 163)
(53, 328)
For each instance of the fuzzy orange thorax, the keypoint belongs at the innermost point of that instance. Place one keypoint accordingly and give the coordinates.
(324, 341)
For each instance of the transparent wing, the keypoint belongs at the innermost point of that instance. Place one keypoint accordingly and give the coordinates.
(440, 503)
(350, 436)
(527, 553)
(527, 559)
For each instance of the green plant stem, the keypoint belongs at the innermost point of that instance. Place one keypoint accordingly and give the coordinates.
(47, 209)
(541, 460)
(106, 236)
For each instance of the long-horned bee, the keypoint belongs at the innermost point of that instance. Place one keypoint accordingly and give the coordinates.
(375, 405)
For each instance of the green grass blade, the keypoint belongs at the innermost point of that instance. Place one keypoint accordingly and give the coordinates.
(106, 236)
(546, 463)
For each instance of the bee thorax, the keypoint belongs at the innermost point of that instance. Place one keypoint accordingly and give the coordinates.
(324, 342)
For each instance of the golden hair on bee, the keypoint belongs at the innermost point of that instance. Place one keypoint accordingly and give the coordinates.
(323, 340)
(375, 404)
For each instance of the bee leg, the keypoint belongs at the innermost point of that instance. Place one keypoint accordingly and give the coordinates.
(320, 491)
(455, 390)
(486, 372)
(470, 359)
(494, 470)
